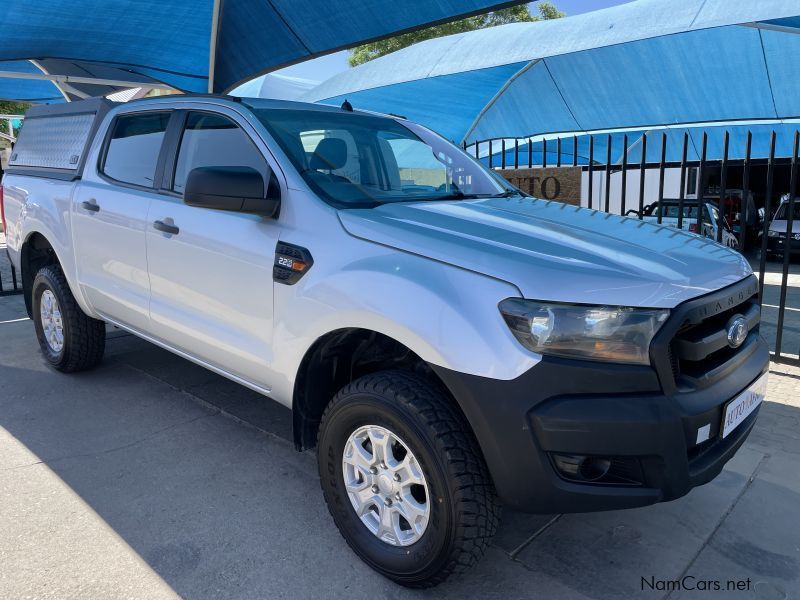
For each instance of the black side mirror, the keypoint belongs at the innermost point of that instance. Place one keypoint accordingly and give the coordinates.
(238, 189)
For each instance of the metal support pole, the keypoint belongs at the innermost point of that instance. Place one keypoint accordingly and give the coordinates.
(642, 175)
(723, 187)
(624, 192)
(744, 214)
(787, 247)
(661, 175)
(767, 209)
(591, 169)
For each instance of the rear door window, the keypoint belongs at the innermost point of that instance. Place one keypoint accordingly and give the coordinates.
(212, 140)
(133, 148)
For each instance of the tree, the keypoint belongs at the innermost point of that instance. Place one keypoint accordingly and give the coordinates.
(515, 14)
(13, 108)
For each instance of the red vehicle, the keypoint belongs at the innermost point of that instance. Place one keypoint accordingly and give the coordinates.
(731, 209)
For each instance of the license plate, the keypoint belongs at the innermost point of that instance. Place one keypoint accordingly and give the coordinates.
(738, 409)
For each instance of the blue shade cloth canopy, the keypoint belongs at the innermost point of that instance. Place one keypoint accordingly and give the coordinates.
(27, 90)
(276, 86)
(191, 45)
(638, 65)
(575, 148)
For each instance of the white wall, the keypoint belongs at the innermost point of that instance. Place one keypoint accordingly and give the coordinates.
(672, 179)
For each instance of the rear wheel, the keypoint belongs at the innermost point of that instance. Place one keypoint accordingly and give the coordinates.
(69, 339)
(404, 479)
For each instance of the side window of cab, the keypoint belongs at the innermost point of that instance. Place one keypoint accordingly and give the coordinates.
(213, 140)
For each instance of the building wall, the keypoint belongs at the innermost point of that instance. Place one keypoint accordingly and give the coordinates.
(672, 179)
(562, 184)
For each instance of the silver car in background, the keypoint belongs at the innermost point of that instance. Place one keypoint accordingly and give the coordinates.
(777, 237)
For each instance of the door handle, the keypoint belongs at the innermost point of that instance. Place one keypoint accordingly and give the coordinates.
(91, 205)
(166, 227)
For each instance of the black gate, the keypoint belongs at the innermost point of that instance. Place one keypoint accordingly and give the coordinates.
(745, 194)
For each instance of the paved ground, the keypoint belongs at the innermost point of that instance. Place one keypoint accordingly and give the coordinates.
(150, 478)
(773, 278)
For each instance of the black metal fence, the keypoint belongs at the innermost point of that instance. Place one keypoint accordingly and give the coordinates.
(9, 283)
(745, 192)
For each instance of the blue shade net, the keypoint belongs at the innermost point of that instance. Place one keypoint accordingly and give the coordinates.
(169, 41)
(685, 65)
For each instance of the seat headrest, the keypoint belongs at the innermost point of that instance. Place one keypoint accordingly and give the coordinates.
(331, 154)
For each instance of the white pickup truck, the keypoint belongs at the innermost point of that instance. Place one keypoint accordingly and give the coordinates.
(446, 343)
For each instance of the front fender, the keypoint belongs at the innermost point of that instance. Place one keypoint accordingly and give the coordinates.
(448, 316)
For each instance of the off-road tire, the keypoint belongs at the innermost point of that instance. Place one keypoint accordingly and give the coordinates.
(464, 510)
(84, 337)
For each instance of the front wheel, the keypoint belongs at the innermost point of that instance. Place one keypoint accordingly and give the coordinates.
(69, 339)
(404, 479)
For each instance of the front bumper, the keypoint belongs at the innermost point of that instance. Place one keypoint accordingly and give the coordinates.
(629, 414)
(777, 245)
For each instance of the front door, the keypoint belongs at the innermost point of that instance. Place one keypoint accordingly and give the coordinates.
(109, 219)
(211, 271)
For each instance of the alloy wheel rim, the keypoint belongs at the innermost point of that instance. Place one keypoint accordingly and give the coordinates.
(386, 485)
(52, 323)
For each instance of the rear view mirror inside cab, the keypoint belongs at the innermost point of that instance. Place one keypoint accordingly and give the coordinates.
(237, 189)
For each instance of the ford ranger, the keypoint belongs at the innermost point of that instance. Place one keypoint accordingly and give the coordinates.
(446, 343)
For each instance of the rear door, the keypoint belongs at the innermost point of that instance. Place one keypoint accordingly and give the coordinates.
(109, 218)
(211, 277)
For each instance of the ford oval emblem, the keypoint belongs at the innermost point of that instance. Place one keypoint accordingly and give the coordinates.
(737, 331)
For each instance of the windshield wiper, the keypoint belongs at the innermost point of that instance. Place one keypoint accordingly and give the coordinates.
(462, 196)
(458, 196)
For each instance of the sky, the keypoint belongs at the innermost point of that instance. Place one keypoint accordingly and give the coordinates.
(324, 67)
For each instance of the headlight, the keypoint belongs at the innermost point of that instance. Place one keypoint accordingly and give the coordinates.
(606, 333)
(772, 233)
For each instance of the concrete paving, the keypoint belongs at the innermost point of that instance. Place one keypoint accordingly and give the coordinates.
(150, 477)
(773, 280)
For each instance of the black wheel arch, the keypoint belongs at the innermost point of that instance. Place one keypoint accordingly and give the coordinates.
(36, 252)
(338, 358)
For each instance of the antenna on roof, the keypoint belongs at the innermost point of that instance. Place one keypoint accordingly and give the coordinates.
(346, 106)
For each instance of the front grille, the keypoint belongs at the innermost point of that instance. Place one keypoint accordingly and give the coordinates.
(699, 352)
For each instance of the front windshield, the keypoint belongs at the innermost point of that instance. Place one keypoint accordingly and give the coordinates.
(689, 211)
(783, 212)
(354, 160)
(673, 211)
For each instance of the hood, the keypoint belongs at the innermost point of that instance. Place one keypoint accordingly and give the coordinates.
(556, 252)
(780, 226)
